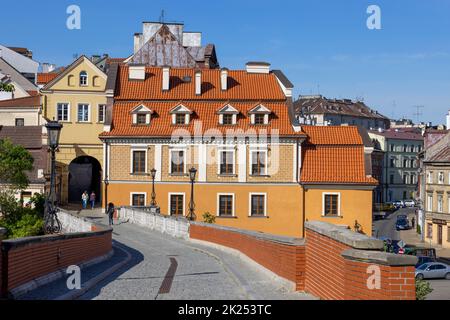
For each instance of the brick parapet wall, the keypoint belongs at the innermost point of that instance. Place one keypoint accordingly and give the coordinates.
(283, 256)
(26, 259)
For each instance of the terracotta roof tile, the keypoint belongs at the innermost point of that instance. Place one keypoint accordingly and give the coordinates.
(333, 135)
(334, 164)
(204, 113)
(44, 78)
(241, 86)
(32, 101)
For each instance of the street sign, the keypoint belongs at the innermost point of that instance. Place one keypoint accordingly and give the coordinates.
(401, 244)
(401, 251)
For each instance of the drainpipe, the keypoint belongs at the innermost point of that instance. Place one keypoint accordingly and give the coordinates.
(5, 266)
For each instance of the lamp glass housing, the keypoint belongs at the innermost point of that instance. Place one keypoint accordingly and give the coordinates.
(192, 173)
(53, 133)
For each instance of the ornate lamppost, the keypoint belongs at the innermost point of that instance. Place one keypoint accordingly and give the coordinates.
(51, 222)
(153, 174)
(191, 215)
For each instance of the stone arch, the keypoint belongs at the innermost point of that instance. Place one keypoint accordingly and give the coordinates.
(85, 174)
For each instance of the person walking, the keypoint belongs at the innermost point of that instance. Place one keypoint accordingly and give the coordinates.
(84, 199)
(92, 200)
(413, 222)
(110, 213)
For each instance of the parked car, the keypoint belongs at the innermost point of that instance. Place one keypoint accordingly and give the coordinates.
(409, 203)
(424, 259)
(402, 224)
(433, 270)
(399, 204)
(402, 217)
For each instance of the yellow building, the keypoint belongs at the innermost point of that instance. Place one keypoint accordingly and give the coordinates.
(236, 129)
(437, 190)
(77, 99)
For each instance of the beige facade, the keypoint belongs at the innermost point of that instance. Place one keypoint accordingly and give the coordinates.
(77, 99)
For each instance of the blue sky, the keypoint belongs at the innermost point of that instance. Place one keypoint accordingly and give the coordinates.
(322, 46)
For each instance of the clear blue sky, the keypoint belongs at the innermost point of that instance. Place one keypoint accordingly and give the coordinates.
(321, 45)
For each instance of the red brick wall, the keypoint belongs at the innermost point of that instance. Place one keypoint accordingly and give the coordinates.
(287, 261)
(28, 261)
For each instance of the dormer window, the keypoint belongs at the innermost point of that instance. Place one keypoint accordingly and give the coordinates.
(141, 115)
(227, 115)
(181, 115)
(83, 78)
(259, 115)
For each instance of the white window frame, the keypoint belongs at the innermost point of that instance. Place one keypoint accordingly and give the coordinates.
(89, 112)
(266, 164)
(103, 113)
(87, 79)
(233, 119)
(430, 176)
(132, 150)
(233, 204)
(184, 159)
(184, 202)
(138, 193)
(219, 163)
(250, 202)
(441, 175)
(440, 204)
(323, 203)
(430, 202)
(68, 111)
(448, 203)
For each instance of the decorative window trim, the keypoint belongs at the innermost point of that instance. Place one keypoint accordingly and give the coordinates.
(250, 203)
(228, 109)
(324, 194)
(87, 79)
(184, 159)
(233, 205)
(220, 150)
(260, 109)
(89, 112)
(138, 193)
(170, 203)
(132, 150)
(430, 200)
(68, 111)
(103, 113)
(251, 151)
(181, 109)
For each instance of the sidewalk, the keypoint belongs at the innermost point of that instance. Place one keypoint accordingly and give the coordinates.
(412, 238)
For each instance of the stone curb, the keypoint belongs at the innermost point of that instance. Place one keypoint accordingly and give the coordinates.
(18, 292)
(85, 287)
(378, 257)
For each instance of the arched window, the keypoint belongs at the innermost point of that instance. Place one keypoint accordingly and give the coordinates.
(95, 81)
(70, 81)
(83, 78)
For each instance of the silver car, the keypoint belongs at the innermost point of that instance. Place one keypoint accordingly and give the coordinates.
(433, 270)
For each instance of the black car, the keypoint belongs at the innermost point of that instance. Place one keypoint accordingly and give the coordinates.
(402, 216)
(402, 224)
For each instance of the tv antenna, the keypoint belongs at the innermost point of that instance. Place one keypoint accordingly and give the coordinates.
(418, 113)
(161, 17)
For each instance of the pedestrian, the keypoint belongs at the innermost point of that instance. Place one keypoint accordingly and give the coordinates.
(84, 199)
(110, 213)
(92, 199)
(413, 222)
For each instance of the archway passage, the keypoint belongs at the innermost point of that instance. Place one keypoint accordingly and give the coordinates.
(85, 174)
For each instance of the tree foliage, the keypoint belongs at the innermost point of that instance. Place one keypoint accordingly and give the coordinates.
(423, 289)
(15, 161)
(7, 87)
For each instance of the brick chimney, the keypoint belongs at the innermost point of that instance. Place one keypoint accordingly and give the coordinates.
(165, 78)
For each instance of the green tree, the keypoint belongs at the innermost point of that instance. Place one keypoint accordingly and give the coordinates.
(8, 87)
(15, 161)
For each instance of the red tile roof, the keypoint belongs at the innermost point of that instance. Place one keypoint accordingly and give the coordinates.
(400, 134)
(33, 101)
(204, 114)
(44, 78)
(333, 135)
(241, 86)
(334, 155)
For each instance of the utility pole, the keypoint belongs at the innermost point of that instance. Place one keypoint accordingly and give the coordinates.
(418, 113)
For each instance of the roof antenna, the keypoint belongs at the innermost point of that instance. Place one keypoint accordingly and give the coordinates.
(161, 17)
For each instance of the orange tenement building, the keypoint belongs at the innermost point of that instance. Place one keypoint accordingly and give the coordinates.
(256, 168)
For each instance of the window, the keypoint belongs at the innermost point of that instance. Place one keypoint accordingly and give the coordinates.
(227, 119)
(101, 113)
(139, 163)
(405, 148)
(411, 149)
(412, 163)
(20, 122)
(392, 148)
(83, 78)
(257, 204)
(259, 119)
(430, 177)
(180, 118)
(430, 202)
(405, 179)
(141, 118)
(258, 164)
(177, 162)
(83, 113)
(405, 163)
(448, 234)
(392, 163)
(429, 230)
(441, 178)
(391, 179)
(226, 162)
(413, 179)
(176, 204)
(440, 203)
(62, 112)
(226, 206)
(448, 203)
(331, 204)
(138, 199)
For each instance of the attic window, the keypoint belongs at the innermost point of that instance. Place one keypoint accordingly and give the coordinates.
(141, 115)
(228, 115)
(181, 115)
(83, 78)
(259, 115)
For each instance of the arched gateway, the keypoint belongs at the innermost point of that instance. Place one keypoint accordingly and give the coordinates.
(85, 174)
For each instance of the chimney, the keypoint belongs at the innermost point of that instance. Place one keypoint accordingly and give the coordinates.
(137, 42)
(258, 67)
(224, 79)
(198, 82)
(165, 78)
(136, 72)
(448, 120)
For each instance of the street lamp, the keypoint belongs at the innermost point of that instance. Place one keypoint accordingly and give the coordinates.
(52, 223)
(153, 174)
(191, 215)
